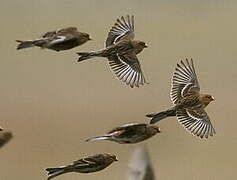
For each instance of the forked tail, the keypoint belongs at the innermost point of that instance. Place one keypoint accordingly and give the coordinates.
(88, 55)
(155, 117)
(24, 44)
(29, 43)
(53, 172)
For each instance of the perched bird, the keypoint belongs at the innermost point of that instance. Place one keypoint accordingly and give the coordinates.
(61, 39)
(86, 165)
(5, 137)
(129, 133)
(140, 167)
(189, 104)
(121, 51)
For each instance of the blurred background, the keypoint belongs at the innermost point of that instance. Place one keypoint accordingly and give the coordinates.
(52, 103)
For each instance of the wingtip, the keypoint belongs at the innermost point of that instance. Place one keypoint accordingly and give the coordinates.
(130, 16)
(187, 60)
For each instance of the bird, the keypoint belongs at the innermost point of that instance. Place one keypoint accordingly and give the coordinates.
(121, 51)
(129, 133)
(85, 165)
(140, 166)
(189, 103)
(5, 137)
(58, 40)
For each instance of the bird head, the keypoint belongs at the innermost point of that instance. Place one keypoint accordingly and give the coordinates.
(86, 36)
(142, 44)
(207, 99)
(154, 129)
(7, 135)
(139, 46)
(111, 157)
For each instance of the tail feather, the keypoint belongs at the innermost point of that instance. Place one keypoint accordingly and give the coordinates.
(155, 117)
(24, 44)
(53, 172)
(88, 55)
(98, 138)
(30, 43)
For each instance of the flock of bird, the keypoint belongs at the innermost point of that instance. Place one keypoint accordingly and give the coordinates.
(121, 51)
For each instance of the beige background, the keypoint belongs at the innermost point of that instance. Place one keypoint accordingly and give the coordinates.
(51, 103)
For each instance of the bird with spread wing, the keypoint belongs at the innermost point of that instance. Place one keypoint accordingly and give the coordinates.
(61, 39)
(189, 103)
(121, 51)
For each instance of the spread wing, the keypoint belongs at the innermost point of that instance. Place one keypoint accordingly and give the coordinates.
(128, 69)
(184, 81)
(196, 122)
(122, 29)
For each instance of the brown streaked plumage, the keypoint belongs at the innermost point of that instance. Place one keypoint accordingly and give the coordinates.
(5, 137)
(89, 164)
(61, 39)
(189, 104)
(129, 133)
(121, 51)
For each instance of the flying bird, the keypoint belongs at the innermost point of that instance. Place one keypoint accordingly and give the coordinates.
(61, 39)
(86, 165)
(140, 166)
(121, 51)
(5, 137)
(129, 133)
(189, 103)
